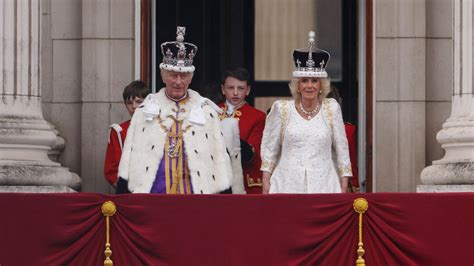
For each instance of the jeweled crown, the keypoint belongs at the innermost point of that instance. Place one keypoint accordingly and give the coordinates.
(178, 55)
(311, 61)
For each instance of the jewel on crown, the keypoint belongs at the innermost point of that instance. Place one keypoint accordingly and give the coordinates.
(310, 62)
(178, 55)
(180, 32)
(169, 54)
(191, 54)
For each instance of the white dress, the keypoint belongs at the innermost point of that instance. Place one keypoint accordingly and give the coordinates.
(298, 152)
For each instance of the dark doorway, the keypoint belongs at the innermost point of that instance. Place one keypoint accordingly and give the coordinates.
(222, 30)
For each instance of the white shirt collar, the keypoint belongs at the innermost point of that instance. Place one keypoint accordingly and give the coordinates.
(230, 107)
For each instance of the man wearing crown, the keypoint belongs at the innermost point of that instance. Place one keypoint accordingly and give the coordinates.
(174, 144)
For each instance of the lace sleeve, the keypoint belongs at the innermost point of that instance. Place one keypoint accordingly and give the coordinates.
(272, 138)
(343, 162)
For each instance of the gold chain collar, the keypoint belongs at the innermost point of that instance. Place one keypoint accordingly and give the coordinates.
(235, 114)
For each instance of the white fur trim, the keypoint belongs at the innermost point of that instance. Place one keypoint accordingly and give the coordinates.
(212, 105)
(117, 128)
(151, 110)
(310, 74)
(197, 116)
(208, 163)
(182, 69)
(230, 129)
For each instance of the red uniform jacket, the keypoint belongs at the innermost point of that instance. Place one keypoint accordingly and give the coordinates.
(251, 125)
(352, 142)
(114, 150)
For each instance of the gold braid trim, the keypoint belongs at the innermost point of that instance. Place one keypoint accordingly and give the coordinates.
(181, 131)
(174, 151)
(108, 210)
(268, 166)
(345, 170)
(236, 114)
(254, 182)
(360, 206)
(329, 117)
(285, 114)
(223, 114)
(327, 113)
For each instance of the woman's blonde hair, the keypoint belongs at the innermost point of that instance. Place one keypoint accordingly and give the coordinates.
(325, 88)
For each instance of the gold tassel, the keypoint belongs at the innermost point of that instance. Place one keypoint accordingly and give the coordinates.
(108, 210)
(360, 206)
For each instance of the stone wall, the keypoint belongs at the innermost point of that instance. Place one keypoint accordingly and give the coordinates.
(439, 78)
(88, 58)
(413, 72)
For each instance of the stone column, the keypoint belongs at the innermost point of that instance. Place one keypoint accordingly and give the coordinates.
(455, 171)
(107, 67)
(400, 95)
(25, 137)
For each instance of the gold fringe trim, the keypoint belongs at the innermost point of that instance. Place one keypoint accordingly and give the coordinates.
(360, 206)
(108, 210)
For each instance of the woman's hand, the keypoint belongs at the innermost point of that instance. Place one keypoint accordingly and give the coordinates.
(344, 184)
(266, 182)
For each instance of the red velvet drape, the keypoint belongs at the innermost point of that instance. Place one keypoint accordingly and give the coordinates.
(398, 229)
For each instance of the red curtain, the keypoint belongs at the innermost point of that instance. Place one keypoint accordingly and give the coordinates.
(398, 229)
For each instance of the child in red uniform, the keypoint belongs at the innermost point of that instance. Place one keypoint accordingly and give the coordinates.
(235, 87)
(133, 95)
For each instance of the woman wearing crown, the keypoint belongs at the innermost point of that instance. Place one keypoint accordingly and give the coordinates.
(301, 135)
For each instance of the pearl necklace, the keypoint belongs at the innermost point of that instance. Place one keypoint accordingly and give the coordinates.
(309, 114)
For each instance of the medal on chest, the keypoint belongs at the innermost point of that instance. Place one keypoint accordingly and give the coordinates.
(174, 137)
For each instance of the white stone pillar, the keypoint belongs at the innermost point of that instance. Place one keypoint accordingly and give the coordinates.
(25, 137)
(455, 171)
